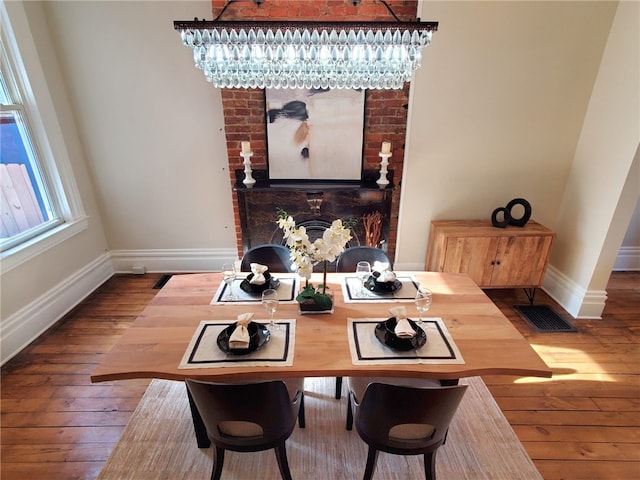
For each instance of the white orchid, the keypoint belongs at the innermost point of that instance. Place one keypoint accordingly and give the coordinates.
(305, 254)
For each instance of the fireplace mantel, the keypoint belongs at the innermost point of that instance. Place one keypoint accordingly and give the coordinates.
(314, 204)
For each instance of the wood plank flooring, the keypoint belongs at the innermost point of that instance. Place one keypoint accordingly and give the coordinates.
(583, 423)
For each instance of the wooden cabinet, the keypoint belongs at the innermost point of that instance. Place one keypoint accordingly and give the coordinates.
(493, 257)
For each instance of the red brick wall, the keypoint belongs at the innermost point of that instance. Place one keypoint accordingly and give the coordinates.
(385, 110)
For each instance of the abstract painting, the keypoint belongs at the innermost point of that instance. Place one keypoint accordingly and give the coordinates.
(315, 134)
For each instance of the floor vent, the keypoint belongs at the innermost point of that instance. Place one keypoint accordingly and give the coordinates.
(163, 280)
(544, 319)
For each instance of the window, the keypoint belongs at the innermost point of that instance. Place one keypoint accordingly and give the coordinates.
(27, 206)
(39, 199)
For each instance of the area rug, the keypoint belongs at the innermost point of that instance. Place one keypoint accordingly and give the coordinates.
(159, 443)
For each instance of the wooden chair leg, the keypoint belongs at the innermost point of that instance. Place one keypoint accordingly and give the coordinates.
(430, 465)
(301, 417)
(283, 463)
(218, 462)
(349, 425)
(372, 458)
(338, 388)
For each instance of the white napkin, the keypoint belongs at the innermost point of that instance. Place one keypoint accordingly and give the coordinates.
(403, 327)
(379, 266)
(384, 271)
(386, 276)
(258, 274)
(240, 336)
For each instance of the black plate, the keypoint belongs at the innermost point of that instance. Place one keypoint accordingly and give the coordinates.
(258, 336)
(382, 287)
(270, 282)
(385, 333)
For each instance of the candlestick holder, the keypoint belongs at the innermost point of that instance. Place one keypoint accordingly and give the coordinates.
(249, 181)
(382, 181)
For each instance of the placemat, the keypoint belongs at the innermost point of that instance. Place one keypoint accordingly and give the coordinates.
(287, 291)
(203, 351)
(353, 293)
(366, 349)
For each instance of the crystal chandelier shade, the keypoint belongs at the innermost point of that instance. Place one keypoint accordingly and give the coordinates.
(372, 55)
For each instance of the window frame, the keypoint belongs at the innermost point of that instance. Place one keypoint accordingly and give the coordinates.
(46, 136)
(17, 110)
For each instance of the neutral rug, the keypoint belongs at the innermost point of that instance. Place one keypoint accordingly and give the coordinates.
(159, 443)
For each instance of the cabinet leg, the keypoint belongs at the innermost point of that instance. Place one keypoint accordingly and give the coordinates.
(530, 293)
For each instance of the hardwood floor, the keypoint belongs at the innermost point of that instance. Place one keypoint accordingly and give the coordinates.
(56, 424)
(583, 423)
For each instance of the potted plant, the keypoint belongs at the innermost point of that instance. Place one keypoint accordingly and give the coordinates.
(306, 254)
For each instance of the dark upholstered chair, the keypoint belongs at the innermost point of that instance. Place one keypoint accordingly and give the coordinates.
(347, 263)
(348, 260)
(403, 420)
(248, 417)
(276, 257)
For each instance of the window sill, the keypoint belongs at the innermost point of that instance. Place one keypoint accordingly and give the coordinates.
(24, 252)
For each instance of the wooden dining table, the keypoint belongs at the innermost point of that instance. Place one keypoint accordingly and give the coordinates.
(155, 344)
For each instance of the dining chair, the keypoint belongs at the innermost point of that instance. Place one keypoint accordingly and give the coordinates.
(276, 257)
(346, 263)
(348, 260)
(403, 420)
(248, 417)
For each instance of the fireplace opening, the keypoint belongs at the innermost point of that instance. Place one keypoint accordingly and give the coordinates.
(313, 206)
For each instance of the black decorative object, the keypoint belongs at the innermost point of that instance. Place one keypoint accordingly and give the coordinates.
(505, 217)
(508, 218)
(522, 221)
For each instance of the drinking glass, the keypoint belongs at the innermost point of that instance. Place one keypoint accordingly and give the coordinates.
(423, 302)
(363, 271)
(229, 276)
(270, 303)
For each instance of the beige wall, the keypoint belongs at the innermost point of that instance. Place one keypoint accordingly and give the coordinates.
(597, 188)
(152, 126)
(497, 110)
(632, 237)
(33, 291)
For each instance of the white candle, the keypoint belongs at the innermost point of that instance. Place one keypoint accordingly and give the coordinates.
(246, 147)
(386, 147)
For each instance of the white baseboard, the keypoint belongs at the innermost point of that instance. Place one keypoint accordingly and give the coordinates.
(628, 259)
(408, 267)
(577, 301)
(24, 326)
(171, 261)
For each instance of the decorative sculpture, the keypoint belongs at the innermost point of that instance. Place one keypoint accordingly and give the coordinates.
(507, 218)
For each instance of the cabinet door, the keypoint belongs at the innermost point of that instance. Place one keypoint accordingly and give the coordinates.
(473, 256)
(521, 260)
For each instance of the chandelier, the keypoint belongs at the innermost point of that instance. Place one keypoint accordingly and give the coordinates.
(297, 54)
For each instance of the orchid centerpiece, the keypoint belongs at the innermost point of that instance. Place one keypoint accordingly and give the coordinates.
(306, 254)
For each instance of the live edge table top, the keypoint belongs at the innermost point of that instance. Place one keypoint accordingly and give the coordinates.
(154, 345)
